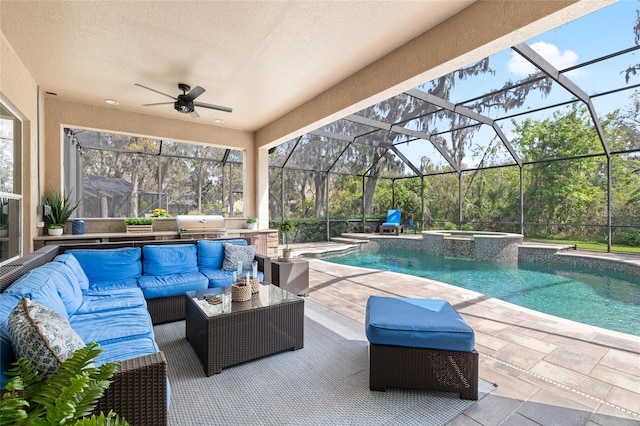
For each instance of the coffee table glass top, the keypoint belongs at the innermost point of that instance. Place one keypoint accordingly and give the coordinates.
(217, 301)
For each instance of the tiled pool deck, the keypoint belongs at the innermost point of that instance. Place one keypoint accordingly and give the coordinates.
(549, 371)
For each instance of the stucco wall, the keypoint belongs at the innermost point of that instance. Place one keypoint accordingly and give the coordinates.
(19, 92)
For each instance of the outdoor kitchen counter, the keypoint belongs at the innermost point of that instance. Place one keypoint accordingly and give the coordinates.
(266, 240)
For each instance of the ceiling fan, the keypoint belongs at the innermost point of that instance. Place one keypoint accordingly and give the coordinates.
(185, 103)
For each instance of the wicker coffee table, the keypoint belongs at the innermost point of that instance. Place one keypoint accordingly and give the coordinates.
(230, 333)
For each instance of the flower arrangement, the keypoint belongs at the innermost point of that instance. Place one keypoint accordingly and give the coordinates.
(160, 213)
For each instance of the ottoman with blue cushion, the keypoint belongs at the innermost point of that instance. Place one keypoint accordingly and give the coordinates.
(420, 344)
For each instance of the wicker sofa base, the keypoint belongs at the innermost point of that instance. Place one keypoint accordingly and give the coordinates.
(166, 309)
(424, 369)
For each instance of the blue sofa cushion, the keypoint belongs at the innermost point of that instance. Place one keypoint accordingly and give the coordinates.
(7, 303)
(38, 286)
(66, 284)
(109, 264)
(417, 323)
(169, 259)
(234, 253)
(113, 326)
(41, 336)
(70, 260)
(101, 287)
(155, 286)
(221, 278)
(127, 349)
(211, 252)
(112, 300)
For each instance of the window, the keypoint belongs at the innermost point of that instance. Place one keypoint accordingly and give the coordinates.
(10, 185)
(129, 176)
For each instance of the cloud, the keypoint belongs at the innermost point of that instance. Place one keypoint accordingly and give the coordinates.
(550, 52)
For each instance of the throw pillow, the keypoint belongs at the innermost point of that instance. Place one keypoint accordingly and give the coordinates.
(234, 253)
(41, 336)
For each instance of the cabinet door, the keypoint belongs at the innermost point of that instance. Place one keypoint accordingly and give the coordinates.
(260, 241)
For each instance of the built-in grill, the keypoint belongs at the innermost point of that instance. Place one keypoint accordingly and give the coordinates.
(202, 226)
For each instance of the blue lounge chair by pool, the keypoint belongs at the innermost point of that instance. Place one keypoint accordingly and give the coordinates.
(393, 223)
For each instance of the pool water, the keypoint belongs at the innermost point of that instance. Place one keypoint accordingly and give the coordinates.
(601, 298)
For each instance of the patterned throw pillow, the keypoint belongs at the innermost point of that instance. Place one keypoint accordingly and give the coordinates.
(234, 253)
(41, 336)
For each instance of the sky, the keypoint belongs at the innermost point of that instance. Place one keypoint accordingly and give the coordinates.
(600, 33)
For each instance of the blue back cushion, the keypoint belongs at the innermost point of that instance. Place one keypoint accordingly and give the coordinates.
(169, 259)
(393, 216)
(39, 285)
(109, 264)
(70, 260)
(67, 285)
(211, 252)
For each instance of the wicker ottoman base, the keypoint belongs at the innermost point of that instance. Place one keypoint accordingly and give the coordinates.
(424, 369)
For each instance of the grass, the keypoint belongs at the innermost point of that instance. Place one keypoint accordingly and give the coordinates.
(587, 245)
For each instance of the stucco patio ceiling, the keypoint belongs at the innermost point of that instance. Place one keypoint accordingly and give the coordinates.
(260, 58)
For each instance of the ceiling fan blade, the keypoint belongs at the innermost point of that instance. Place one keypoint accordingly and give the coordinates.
(194, 114)
(211, 106)
(154, 90)
(159, 103)
(194, 93)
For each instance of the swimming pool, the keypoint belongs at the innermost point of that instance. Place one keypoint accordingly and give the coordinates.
(602, 298)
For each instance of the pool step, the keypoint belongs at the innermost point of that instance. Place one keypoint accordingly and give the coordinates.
(344, 240)
(356, 237)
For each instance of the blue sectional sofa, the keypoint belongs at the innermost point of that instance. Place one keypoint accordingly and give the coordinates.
(113, 294)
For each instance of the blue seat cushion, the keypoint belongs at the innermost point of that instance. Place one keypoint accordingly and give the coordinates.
(111, 300)
(101, 287)
(417, 323)
(113, 326)
(390, 225)
(127, 349)
(211, 252)
(222, 278)
(169, 259)
(109, 264)
(7, 357)
(154, 286)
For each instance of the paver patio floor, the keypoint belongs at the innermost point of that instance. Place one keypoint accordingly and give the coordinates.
(549, 371)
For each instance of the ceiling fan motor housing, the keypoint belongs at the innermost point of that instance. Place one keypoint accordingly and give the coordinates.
(184, 106)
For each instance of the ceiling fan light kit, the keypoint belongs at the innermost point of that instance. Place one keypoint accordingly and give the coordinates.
(184, 103)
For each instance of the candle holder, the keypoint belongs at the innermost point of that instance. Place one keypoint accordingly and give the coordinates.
(240, 292)
(255, 285)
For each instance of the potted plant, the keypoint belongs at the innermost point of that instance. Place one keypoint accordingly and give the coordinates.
(160, 213)
(65, 398)
(286, 227)
(410, 219)
(139, 224)
(55, 230)
(61, 207)
(252, 222)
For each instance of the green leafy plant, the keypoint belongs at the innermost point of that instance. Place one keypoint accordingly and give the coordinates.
(52, 226)
(138, 221)
(61, 207)
(286, 227)
(67, 397)
(252, 220)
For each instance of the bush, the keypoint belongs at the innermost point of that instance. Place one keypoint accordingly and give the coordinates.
(627, 238)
